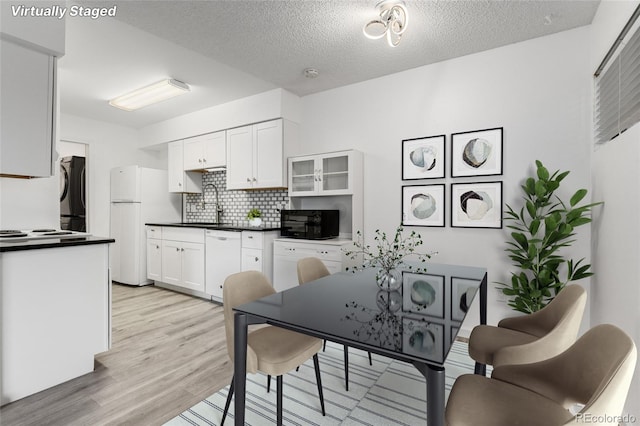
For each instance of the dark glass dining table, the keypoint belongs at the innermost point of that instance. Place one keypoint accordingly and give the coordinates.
(416, 323)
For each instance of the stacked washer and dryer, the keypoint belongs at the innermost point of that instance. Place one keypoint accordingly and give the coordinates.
(73, 194)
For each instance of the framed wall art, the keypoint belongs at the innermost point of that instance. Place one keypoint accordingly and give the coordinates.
(476, 205)
(423, 158)
(423, 205)
(476, 153)
(423, 294)
(422, 338)
(463, 290)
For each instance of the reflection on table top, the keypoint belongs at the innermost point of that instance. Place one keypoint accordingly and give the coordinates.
(418, 322)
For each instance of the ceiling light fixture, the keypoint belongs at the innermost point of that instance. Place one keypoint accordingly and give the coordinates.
(154, 93)
(392, 22)
(310, 72)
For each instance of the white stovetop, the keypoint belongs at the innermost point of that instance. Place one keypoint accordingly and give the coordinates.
(35, 234)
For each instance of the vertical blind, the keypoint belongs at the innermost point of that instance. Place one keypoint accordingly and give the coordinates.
(617, 100)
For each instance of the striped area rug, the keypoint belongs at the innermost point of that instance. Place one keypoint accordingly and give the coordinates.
(388, 393)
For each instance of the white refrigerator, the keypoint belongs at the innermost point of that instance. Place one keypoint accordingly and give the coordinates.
(138, 195)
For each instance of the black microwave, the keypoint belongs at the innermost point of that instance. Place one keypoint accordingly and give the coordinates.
(310, 224)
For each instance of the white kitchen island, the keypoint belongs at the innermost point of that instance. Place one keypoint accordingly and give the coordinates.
(55, 308)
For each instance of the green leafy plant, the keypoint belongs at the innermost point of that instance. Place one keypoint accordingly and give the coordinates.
(542, 227)
(389, 253)
(254, 213)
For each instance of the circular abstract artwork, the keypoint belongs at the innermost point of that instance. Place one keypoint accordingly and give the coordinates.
(423, 206)
(475, 204)
(476, 152)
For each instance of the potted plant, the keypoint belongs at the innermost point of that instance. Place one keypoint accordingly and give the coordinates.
(541, 228)
(389, 254)
(255, 217)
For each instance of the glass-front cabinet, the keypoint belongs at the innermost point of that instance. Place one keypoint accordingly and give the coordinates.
(324, 174)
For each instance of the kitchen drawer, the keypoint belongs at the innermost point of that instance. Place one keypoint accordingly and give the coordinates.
(252, 239)
(302, 250)
(190, 235)
(154, 232)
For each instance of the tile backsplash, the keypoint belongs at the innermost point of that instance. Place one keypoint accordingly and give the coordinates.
(235, 204)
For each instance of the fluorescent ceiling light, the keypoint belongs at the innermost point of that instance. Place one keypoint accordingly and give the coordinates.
(154, 93)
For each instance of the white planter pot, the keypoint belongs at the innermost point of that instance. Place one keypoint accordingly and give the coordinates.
(256, 221)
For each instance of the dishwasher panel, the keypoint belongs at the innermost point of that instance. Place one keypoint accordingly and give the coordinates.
(223, 258)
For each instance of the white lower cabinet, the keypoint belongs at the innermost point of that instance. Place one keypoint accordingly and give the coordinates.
(183, 258)
(287, 252)
(178, 257)
(252, 259)
(257, 252)
(154, 259)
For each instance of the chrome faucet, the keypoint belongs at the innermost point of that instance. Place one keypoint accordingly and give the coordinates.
(219, 209)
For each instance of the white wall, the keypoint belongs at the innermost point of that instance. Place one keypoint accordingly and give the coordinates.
(35, 203)
(109, 146)
(538, 90)
(277, 103)
(615, 295)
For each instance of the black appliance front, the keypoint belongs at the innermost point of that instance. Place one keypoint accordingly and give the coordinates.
(72, 194)
(310, 224)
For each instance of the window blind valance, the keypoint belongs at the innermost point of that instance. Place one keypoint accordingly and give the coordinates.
(617, 89)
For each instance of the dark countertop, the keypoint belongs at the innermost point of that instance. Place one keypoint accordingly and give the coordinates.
(219, 227)
(6, 246)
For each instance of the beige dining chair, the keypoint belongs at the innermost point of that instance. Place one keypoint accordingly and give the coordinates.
(530, 338)
(311, 269)
(272, 350)
(594, 374)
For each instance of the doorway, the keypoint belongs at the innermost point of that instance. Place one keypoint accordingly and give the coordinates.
(74, 190)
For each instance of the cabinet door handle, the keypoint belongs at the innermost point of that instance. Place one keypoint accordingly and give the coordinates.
(181, 249)
(179, 184)
(248, 180)
(220, 285)
(204, 160)
(254, 179)
(177, 249)
(257, 259)
(157, 246)
(199, 160)
(250, 237)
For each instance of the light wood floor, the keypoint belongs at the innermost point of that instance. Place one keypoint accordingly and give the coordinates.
(168, 353)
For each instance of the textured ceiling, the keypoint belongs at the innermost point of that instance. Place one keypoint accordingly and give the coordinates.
(274, 41)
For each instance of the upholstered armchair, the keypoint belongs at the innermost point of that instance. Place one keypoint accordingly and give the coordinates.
(530, 338)
(592, 377)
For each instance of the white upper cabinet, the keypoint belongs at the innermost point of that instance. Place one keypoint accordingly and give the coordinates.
(29, 48)
(255, 155)
(27, 108)
(331, 173)
(179, 179)
(205, 151)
